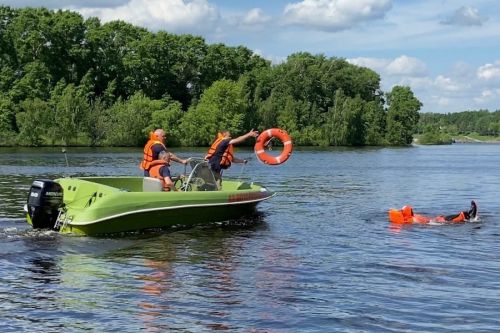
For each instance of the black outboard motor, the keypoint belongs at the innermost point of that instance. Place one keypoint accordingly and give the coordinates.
(44, 200)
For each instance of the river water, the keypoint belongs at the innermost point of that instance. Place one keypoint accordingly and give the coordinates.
(320, 256)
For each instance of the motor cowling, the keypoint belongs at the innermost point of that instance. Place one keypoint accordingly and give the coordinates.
(44, 200)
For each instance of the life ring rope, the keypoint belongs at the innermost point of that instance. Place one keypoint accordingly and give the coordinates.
(264, 138)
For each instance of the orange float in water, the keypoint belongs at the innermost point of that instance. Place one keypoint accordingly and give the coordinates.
(406, 215)
(263, 141)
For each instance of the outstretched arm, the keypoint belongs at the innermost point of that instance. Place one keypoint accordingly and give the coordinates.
(243, 137)
(177, 159)
(239, 160)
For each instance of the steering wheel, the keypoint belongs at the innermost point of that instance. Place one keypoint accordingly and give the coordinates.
(181, 186)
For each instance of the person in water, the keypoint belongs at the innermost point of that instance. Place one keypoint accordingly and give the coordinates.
(153, 148)
(220, 155)
(406, 215)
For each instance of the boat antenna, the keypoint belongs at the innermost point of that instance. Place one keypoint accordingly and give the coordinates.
(65, 157)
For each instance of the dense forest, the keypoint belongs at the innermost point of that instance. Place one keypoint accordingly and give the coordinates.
(66, 80)
(443, 128)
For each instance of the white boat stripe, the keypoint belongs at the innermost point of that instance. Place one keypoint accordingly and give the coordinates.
(169, 208)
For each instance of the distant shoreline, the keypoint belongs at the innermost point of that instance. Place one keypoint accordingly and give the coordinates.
(446, 139)
(468, 139)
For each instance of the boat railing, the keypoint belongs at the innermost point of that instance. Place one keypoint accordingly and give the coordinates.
(201, 177)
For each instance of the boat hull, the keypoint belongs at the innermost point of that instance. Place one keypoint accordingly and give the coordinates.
(161, 218)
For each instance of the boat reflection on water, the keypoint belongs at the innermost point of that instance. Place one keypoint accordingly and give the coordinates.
(202, 261)
(163, 280)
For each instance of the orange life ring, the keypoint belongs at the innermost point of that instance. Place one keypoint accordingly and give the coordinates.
(264, 138)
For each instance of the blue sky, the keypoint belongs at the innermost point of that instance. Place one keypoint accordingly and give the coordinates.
(448, 52)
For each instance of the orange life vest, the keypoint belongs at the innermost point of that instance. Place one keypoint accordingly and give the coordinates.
(148, 151)
(154, 171)
(406, 215)
(227, 156)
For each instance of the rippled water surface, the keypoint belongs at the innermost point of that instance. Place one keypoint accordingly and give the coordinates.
(320, 257)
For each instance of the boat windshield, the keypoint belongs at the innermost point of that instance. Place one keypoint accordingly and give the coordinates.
(200, 178)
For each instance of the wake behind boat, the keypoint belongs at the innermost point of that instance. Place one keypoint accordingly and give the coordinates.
(106, 205)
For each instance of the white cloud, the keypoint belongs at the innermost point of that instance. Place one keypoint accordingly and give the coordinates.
(334, 15)
(253, 20)
(416, 83)
(488, 96)
(465, 91)
(376, 64)
(400, 66)
(170, 15)
(440, 93)
(489, 72)
(272, 58)
(407, 66)
(465, 16)
(443, 101)
(255, 16)
(447, 84)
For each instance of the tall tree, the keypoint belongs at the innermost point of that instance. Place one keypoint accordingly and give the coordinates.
(30, 31)
(108, 45)
(8, 56)
(335, 128)
(402, 115)
(96, 124)
(221, 107)
(374, 118)
(354, 114)
(170, 119)
(35, 81)
(32, 121)
(68, 54)
(7, 120)
(130, 120)
(70, 109)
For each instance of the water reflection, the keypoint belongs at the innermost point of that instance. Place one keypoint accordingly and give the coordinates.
(158, 259)
(30, 279)
(41, 248)
(173, 271)
(44, 270)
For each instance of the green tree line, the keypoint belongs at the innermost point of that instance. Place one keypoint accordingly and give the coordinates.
(66, 80)
(441, 128)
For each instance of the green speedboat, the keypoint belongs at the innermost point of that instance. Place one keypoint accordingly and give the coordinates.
(106, 205)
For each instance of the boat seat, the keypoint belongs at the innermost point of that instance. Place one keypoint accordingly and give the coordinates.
(150, 184)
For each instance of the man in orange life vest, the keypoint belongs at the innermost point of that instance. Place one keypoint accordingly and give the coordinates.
(220, 155)
(159, 170)
(152, 149)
